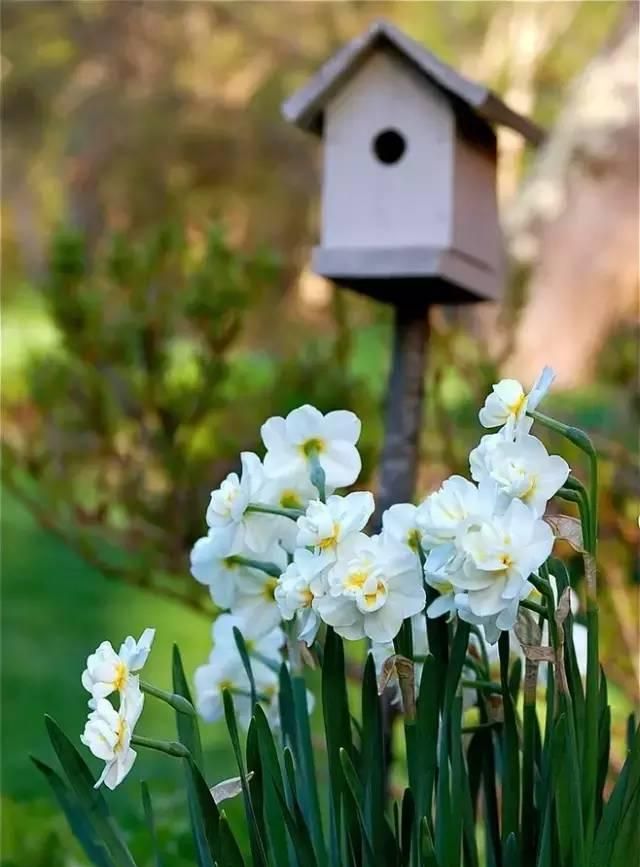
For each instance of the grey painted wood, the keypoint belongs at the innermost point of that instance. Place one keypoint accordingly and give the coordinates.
(367, 203)
(306, 107)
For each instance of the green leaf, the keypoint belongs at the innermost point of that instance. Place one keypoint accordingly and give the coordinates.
(372, 757)
(301, 836)
(77, 817)
(408, 821)
(246, 662)
(257, 844)
(147, 806)
(510, 755)
(337, 728)
(205, 818)
(427, 852)
(306, 764)
(92, 799)
(187, 726)
(608, 849)
(255, 777)
(272, 784)
(427, 738)
(230, 854)
(356, 792)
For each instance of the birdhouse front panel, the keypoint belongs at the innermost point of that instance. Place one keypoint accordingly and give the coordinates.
(389, 151)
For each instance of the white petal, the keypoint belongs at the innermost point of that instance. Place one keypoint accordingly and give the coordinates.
(342, 425)
(341, 463)
(304, 423)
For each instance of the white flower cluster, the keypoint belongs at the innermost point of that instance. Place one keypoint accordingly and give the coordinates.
(108, 730)
(484, 540)
(276, 550)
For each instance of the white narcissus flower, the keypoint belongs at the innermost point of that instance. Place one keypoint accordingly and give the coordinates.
(293, 492)
(292, 441)
(508, 402)
(214, 563)
(501, 554)
(299, 587)
(373, 587)
(108, 671)
(255, 602)
(443, 513)
(227, 514)
(225, 669)
(400, 525)
(524, 470)
(325, 526)
(107, 734)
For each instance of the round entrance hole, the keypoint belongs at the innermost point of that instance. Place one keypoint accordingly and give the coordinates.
(389, 146)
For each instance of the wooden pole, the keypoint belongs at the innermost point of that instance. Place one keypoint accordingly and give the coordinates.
(401, 449)
(403, 411)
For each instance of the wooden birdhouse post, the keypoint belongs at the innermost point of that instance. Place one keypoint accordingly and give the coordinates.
(409, 210)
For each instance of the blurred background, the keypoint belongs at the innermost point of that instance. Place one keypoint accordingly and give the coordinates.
(157, 218)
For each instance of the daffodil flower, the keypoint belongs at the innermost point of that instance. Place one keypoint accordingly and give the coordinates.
(373, 587)
(108, 671)
(508, 403)
(108, 733)
(522, 469)
(325, 526)
(305, 434)
(298, 590)
(225, 670)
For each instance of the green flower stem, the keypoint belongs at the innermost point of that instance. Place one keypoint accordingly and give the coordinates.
(586, 516)
(543, 587)
(270, 663)
(265, 509)
(580, 439)
(169, 748)
(533, 606)
(566, 703)
(177, 702)
(317, 475)
(269, 568)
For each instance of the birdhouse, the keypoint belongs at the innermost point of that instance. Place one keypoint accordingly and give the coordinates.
(409, 209)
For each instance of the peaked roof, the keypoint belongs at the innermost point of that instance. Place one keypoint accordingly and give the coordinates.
(305, 107)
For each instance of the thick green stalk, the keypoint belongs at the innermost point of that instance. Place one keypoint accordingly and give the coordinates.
(177, 702)
(262, 565)
(169, 748)
(265, 509)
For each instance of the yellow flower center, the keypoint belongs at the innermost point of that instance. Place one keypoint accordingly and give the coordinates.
(312, 446)
(330, 541)
(306, 598)
(515, 407)
(121, 730)
(269, 589)
(413, 540)
(355, 580)
(120, 679)
(290, 500)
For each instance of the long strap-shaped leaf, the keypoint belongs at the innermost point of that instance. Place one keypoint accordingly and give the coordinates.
(83, 784)
(77, 817)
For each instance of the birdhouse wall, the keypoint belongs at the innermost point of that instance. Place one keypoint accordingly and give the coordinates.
(367, 203)
(476, 226)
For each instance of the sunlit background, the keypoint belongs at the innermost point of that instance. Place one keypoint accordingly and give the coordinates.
(158, 215)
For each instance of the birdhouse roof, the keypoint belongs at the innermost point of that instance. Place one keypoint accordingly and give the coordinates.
(305, 107)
